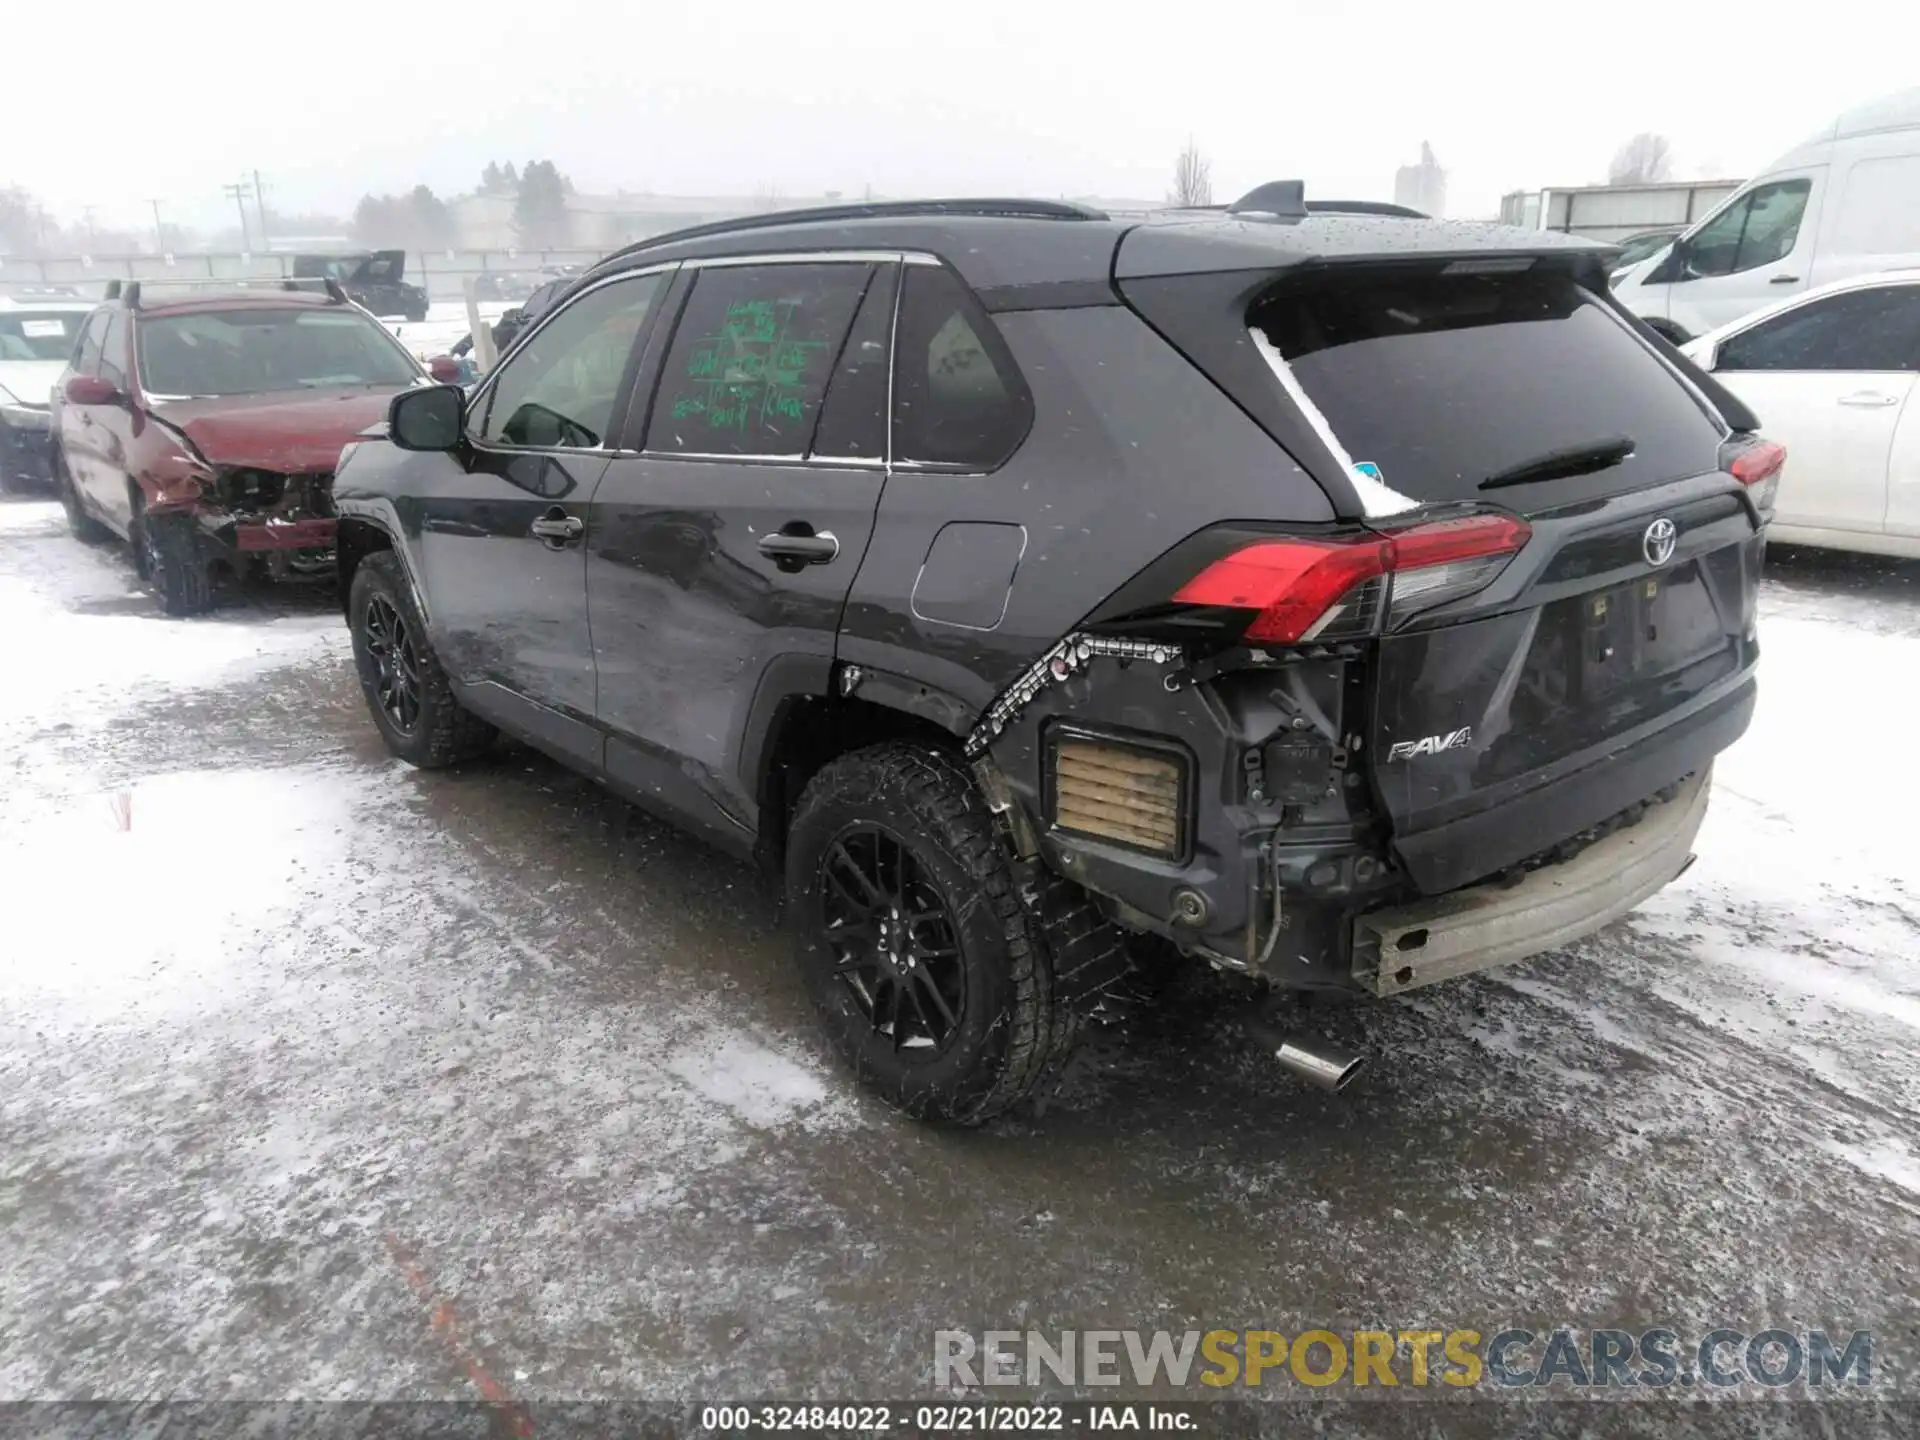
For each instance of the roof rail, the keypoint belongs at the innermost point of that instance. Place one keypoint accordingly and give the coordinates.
(128, 291)
(1283, 199)
(1365, 207)
(1013, 209)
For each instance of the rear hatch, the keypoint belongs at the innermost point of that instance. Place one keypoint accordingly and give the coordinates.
(1553, 599)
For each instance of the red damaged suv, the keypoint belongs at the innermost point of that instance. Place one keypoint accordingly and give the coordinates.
(204, 428)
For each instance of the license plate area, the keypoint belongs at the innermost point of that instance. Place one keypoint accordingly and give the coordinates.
(1642, 630)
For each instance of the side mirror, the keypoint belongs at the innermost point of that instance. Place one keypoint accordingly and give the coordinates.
(91, 390)
(431, 419)
(445, 369)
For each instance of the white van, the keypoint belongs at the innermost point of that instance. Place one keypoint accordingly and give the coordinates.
(1845, 203)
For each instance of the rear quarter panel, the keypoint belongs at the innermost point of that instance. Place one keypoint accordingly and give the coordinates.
(1131, 451)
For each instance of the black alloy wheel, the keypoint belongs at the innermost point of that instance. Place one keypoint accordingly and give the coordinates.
(893, 940)
(390, 644)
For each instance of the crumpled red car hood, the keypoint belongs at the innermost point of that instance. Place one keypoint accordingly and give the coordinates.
(290, 433)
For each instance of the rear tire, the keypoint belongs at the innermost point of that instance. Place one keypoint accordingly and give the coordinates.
(85, 529)
(931, 977)
(169, 557)
(407, 691)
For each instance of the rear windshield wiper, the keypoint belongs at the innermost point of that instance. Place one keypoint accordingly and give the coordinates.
(1559, 464)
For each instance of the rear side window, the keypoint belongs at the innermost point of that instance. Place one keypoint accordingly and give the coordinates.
(1445, 381)
(1875, 329)
(853, 422)
(751, 357)
(958, 399)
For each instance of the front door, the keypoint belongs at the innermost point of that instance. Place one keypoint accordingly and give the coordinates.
(1758, 249)
(503, 524)
(113, 485)
(80, 436)
(724, 550)
(1829, 380)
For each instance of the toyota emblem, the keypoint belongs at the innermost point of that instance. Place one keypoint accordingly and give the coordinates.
(1657, 544)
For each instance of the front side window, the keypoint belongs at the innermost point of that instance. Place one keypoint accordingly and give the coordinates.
(1876, 330)
(751, 357)
(558, 391)
(113, 351)
(50, 336)
(958, 398)
(257, 351)
(86, 359)
(1758, 229)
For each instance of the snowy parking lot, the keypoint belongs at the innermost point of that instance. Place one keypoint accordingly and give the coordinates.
(323, 1077)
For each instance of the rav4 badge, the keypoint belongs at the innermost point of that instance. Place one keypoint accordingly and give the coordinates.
(1430, 745)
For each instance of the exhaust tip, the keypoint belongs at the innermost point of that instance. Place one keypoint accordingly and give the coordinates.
(1326, 1067)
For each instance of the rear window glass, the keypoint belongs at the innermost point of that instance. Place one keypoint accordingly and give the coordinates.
(253, 351)
(1438, 382)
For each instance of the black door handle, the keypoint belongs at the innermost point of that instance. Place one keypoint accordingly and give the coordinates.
(1784, 280)
(556, 527)
(807, 549)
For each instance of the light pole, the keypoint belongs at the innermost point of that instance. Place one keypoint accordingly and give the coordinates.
(159, 230)
(238, 191)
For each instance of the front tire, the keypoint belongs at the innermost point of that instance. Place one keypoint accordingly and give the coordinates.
(168, 554)
(931, 977)
(407, 691)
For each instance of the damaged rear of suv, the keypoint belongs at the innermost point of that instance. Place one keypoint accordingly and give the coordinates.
(1350, 600)
(1469, 715)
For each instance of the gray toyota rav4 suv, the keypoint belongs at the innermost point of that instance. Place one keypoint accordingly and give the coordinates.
(1347, 598)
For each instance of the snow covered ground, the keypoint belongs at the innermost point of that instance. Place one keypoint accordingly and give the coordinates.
(303, 1052)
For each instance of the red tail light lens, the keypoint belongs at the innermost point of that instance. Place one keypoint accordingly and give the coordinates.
(1335, 589)
(1757, 465)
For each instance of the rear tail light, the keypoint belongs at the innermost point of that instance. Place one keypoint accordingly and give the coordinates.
(1756, 464)
(1339, 589)
(1127, 794)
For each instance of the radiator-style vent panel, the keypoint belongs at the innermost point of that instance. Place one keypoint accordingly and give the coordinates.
(1126, 794)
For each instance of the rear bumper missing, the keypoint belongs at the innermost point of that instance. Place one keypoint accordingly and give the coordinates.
(1483, 926)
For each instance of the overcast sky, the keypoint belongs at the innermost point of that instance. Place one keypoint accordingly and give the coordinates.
(983, 97)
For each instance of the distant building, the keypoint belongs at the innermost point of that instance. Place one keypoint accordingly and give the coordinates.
(1423, 186)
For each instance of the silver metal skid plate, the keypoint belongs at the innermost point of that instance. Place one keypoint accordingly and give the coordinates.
(1408, 946)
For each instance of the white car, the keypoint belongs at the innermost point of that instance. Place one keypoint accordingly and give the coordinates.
(1832, 376)
(36, 337)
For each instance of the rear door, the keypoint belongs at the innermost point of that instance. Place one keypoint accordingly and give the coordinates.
(1631, 605)
(723, 550)
(1830, 379)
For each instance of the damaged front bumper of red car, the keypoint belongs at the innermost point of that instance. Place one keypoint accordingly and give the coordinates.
(252, 521)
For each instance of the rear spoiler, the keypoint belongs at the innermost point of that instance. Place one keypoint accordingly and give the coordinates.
(1732, 408)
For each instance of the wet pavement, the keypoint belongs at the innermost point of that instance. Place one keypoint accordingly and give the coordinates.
(325, 1078)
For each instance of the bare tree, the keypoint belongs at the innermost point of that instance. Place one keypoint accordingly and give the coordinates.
(1192, 178)
(1644, 159)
